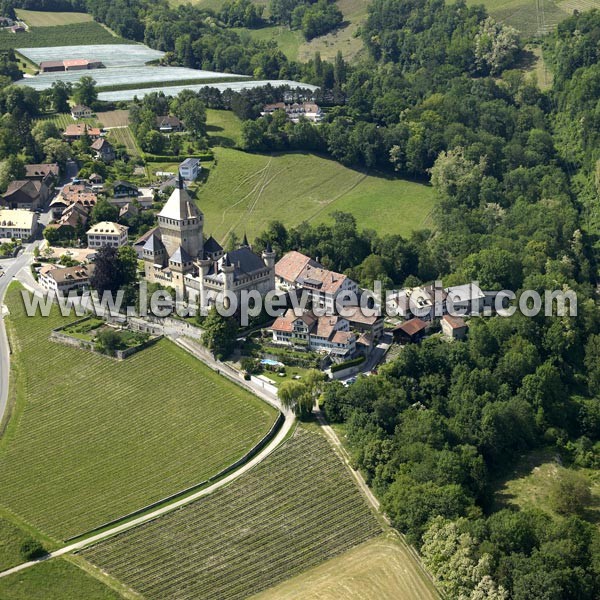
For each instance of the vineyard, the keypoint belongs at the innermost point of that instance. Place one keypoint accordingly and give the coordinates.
(93, 439)
(76, 33)
(62, 120)
(295, 510)
(123, 136)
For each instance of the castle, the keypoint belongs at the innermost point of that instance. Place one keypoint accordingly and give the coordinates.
(177, 255)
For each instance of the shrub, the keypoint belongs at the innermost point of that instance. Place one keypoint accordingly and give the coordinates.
(349, 363)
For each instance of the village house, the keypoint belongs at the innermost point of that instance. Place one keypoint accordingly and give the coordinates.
(128, 211)
(18, 224)
(124, 189)
(144, 198)
(46, 173)
(75, 131)
(189, 169)
(95, 179)
(454, 327)
(107, 233)
(298, 272)
(72, 194)
(103, 150)
(26, 194)
(72, 218)
(327, 334)
(294, 112)
(62, 280)
(80, 111)
(467, 299)
(177, 255)
(411, 331)
(168, 124)
(364, 320)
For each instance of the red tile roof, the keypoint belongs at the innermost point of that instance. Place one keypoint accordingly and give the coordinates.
(291, 265)
(454, 322)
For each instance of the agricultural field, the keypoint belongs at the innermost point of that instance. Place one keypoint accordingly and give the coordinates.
(173, 90)
(61, 120)
(245, 191)
(123, 136)
(523, 15)
(382, 568)
(56, 579)
(119, 77)
(93, 439)
(530, 484)
(293, 511)
(110, 54)
(86, 33)
(113, 118)
(41, 18)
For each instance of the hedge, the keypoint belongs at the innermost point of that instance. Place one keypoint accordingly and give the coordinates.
(166, 158)
(349, 363)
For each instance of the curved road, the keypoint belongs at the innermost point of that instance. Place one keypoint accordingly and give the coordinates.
(12, 267)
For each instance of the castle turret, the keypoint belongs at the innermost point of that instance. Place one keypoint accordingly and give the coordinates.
(268, 257)
(228, 271)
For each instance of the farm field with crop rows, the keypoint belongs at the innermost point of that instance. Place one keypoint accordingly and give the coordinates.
(109, 54)
(77, 33)
(93, 439)
(293, 511)
(45, 18)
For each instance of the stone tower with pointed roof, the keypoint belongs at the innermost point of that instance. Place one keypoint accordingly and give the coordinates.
(177, 255)
(181, 223)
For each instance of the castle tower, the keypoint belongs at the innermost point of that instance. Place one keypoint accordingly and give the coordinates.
(268, 257)
(181, 223)
(228, 271)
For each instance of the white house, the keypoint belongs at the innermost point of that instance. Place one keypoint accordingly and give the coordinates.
(80, 111)
(63, 280)
(190, 168)
(19, 224)
(107, 233)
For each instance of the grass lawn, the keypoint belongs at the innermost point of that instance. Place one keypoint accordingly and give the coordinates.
(41, 18)
(224, 127)
(289, 374)
(244, 192)
(56, 579)
(293, 511)
(382, 568)
(530, 484)
(93, 439)
(75, 34)
(289, 41)
(12, 539)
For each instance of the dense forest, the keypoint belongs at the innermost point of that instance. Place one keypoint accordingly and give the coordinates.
(439, 96)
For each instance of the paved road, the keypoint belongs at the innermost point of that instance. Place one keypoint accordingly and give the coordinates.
(11, 268)
(266, 451)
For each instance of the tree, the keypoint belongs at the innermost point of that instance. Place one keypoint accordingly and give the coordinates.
(84, 91)
(59, 96)
(115, 269)
(219, 334)
(104, 211)
(496, 46)
(192, 112)
(300, 396)
(108, 341)
(455, 176)
(570, 492)
(10, 169)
